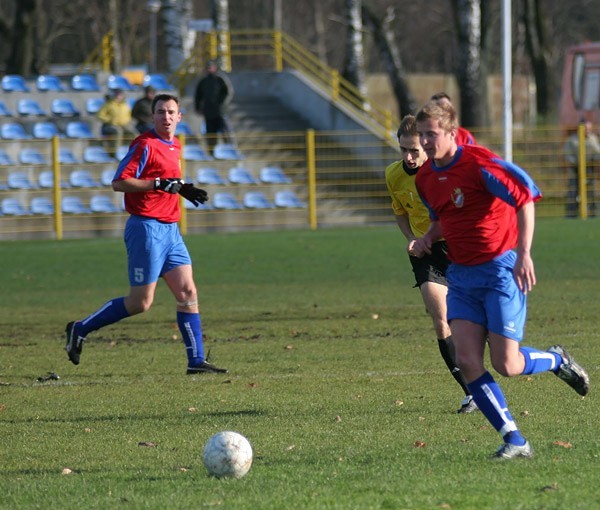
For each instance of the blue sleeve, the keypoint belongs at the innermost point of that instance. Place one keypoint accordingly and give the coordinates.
(501, 188)
(132, 155)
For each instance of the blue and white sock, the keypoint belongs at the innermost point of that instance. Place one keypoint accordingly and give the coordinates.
(537, 361)
(489, 398)
(191, 331)
(112, 311)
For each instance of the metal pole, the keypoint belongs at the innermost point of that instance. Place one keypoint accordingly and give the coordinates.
(507, 78)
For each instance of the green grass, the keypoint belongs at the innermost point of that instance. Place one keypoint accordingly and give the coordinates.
(335, 378)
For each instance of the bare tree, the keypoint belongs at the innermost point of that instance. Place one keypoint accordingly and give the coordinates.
(220, 15)
(469, 73)
(354, 62)
(21, 57)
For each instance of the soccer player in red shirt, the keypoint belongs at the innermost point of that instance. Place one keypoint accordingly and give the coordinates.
(150, 177)
(484, 208)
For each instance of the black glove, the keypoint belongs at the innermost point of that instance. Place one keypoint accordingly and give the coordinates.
(195, 195)
(168, 185)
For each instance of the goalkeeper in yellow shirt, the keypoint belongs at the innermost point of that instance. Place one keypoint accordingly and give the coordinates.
(413, 219)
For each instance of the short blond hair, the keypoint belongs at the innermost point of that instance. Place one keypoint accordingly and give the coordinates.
(443, 112)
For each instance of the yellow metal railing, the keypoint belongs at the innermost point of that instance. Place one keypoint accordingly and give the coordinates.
(101, 57)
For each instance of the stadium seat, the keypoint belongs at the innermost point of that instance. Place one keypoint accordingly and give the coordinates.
(46, 180)
(82, 179)
(49, 82)
(78, 129)
(42, 205)
(66, 156)
(14, 131)
(116, 81)
(97, 154)
(226, 151)
(225, 200)
(19, 180)
(194, 152)
(30, 107)
(93, 105)
(14, 83)
(288, 199)
(45, 130)
(188, 205)
(106, 177)
(5, 159)
(103, 204)
(273, 175)
(121, 151)
(209, 176)
(158, 81)
(183, 128)
(29, 156)
(85, 83)
(241, 175)
(12, 207)
(257, 200)
(4, 110)
(64, 108)
(73, 205)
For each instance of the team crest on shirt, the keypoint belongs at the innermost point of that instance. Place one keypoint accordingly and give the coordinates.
(458, 198)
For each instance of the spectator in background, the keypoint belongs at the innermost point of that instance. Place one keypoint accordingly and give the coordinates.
(115, 116)
(213, 93)
(592, 157)
(463, 135)
(142, 110)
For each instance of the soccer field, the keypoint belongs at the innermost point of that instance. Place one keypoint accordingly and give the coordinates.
(335, 378)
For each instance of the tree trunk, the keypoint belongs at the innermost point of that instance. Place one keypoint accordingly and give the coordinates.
(354, 62)
(21, 57)
(172, 24)
(386, 45)
(539, 54)
(220, 14)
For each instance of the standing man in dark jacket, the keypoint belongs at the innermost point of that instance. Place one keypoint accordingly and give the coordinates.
(213, 92)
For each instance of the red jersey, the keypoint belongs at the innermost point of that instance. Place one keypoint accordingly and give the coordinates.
(475, 198)
(464, 137)
(149, 157)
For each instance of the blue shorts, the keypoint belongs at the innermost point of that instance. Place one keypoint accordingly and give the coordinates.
(488, 294)
(153, 249)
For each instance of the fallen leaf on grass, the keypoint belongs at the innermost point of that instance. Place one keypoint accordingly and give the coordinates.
(525, 413)
(337, 419)
(2, 407)
(374, 316)
(67, 471)
(252, 385)
(552, 487)
(398, 403)
(148, 444)
(192, 409)
(290, 447)
(419, 444)
(563, 444)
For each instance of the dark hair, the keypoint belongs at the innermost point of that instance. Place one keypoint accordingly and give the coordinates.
(440, 95)
(164, 97)
(408, 126)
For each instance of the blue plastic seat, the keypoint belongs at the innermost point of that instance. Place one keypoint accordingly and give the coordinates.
(158, 81)
(288, 199)
(226, 151)
(4, 110)
(103, 204)
(97, 154)
(273, 175)
(64, 108)
(5, 159)
(46, 180)
(82, 179)
(241, 175)
(225, 200)
(121, 152)
(183, 128)
(30, 156)
(209, 176)
(45, 130)
(49, 82)
(13, 207)
(14, 83)
(73, 205)
(257, 200)
(93, 105)
(117, 81)
(41, 205)
(66, 156)
(14, 131)
(31, 107)
(19, 180)
(78, 129)
(194, 152)
(106, 177)
(85, 83)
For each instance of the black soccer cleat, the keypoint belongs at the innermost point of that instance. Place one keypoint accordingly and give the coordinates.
(74, 343)
(206, 368)
(571, 372)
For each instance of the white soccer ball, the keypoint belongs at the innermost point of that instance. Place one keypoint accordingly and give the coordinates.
(227, 454)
